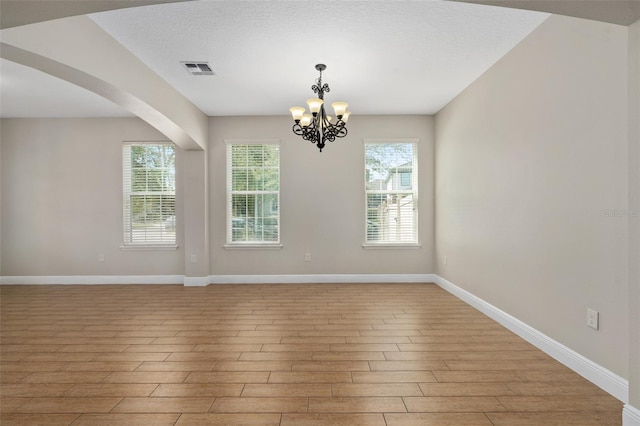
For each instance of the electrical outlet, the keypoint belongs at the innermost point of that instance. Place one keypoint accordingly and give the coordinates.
(593, 319)
(193, 258)
(101, 257)
(307, 257)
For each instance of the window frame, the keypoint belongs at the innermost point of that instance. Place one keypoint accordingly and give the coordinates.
(414, 191)
(128, 242)
(253, 244)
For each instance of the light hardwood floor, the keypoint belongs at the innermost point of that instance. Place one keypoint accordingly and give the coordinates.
(321, 354)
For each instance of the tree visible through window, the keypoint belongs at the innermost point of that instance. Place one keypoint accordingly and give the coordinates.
(149, 193)
(391, 186)
(253, 191)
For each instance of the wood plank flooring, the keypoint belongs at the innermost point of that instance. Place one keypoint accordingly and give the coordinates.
(321, 354)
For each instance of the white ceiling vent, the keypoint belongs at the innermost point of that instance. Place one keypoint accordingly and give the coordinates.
(198, 67)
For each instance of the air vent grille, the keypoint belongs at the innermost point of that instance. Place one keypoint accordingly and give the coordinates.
(198, 67)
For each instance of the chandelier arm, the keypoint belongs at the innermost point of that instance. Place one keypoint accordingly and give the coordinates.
(308, 134)
(325, 122)
(298, 129)
(333, 134)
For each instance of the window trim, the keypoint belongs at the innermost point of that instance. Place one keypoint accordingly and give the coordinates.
(249, 245)
(152, 246)
(392, 244)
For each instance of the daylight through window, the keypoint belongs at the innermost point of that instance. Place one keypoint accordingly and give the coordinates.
(391, 186)
(253, 193)
(149, 194)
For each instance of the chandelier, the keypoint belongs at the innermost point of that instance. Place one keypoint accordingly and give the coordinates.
(317, 127)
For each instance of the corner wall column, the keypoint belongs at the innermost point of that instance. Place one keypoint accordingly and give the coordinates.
(196, 223)
(631, 414)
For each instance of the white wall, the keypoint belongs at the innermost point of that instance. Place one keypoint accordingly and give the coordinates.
(529, 160)
(322, 200)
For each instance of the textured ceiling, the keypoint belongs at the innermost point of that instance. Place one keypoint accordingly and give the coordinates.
(400, 57)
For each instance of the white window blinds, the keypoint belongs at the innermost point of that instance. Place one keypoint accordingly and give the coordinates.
(149, 194)
(253, 193)
(391, 187)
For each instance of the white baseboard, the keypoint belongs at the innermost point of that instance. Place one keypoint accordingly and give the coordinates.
(630, 416)
(196, 281)
(322, 278)
(598, 375)
(219, 279)
(93, 279)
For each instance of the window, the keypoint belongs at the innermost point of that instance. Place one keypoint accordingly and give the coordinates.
(149, 194)
(253, 193)
(391, 186)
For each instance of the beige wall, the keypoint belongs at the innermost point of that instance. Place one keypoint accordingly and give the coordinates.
(322, 200)
(529, 159)
(62, 189)
(62, 199)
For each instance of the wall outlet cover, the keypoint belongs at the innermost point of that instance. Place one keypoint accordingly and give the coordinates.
(593, 319)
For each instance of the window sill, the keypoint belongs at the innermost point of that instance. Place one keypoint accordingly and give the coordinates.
(148, 247)
(392, 246)
(253, 246)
